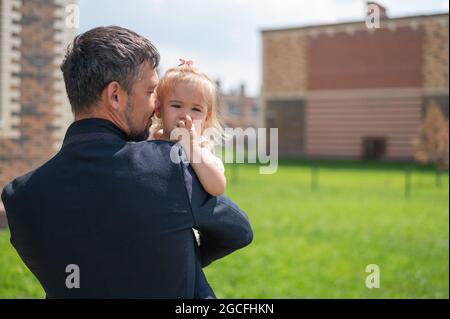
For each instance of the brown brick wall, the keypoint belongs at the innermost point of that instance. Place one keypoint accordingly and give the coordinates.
(36, 114)
(284, 63)
(289, 117)
(383, 59)
(435, 55)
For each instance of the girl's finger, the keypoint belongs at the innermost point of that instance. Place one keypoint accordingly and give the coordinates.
(188, 122)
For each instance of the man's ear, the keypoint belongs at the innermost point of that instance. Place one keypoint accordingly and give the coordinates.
(115, 95)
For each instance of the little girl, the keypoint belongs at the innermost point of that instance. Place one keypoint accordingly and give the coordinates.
(187, 99)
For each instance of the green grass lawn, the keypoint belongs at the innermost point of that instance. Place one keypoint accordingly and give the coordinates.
(317, 243)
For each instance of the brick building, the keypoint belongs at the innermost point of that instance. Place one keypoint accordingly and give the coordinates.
(34, 110)
(237, 109)
(347, 91)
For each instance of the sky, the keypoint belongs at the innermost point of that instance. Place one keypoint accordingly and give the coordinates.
(223, 37)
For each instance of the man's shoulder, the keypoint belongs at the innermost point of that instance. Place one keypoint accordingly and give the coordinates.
(158, 145)
(152, 146)
(16, 187)
(155, 151)
(152, 156)
(29, 182)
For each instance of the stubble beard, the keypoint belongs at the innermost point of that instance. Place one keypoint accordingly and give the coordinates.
(136, 134)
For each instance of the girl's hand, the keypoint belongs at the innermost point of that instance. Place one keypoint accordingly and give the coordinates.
(185, 133)
(202, 160)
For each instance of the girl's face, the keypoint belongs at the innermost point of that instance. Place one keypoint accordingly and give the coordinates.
(184, 100)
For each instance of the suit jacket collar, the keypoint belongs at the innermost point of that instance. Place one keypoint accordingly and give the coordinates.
(94, 125)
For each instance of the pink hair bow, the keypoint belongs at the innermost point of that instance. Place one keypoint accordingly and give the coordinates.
(185, 62)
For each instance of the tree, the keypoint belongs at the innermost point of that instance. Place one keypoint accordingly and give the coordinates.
(432, 144)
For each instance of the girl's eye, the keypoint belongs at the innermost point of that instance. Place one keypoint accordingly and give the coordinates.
(176, 106)
(197, 109)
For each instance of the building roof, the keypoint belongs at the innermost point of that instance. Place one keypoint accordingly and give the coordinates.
(354, 22)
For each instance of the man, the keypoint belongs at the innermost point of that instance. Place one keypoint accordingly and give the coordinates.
(111, 216)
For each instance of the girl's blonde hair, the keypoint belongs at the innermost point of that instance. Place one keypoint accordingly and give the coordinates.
(188, 74)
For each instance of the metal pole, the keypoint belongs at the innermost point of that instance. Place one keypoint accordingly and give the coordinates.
(408, 182)
(314, 177)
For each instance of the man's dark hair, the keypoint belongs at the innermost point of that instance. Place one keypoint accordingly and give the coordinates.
(100, 56)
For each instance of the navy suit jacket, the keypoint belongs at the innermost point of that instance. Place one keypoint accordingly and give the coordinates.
(122, 212)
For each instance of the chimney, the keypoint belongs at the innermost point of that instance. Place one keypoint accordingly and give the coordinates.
(242, 89)
(219, 89)
(382, 10)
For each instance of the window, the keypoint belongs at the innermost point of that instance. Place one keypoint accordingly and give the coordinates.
(254, 110)
(234, 109)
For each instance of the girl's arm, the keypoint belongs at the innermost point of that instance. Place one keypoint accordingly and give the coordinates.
(202, 160)
(204, 163)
